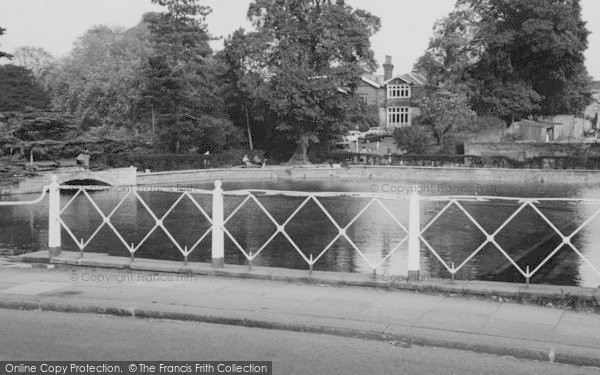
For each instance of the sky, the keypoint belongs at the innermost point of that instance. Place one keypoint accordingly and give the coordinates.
(406, 24)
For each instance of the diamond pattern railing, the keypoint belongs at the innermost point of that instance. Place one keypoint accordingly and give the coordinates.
(373, 199)
(490, 236)
(158, 220)
(414, 234)
(280, 228)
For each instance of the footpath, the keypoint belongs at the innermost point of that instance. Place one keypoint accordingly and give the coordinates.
(297, 303)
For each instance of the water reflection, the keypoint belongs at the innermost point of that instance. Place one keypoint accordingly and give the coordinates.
(528, 239)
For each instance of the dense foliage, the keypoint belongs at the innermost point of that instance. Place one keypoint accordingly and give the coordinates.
(180, 78)
(445, 111)
(157, 80)
(19, 89)
(512, 58)
(99, 80)
(296, 73)
(412, 139)
(290, 81)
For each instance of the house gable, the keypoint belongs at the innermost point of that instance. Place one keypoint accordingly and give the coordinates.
(412, 78)
(398, 80)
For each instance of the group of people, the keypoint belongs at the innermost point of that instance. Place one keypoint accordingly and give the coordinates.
(255, 163)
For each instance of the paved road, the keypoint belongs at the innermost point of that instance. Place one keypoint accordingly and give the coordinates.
(36, 335)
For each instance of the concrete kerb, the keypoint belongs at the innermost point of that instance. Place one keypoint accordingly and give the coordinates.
(471, 343)
(572, 298)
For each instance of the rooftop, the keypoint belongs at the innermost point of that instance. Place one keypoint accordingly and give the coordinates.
(378, 81)
(541, 124)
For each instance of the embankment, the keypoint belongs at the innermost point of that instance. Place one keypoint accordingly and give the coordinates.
(404, 173)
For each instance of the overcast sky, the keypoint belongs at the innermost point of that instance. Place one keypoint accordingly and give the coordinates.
(406, 24)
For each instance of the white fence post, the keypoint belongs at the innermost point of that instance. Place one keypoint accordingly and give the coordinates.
(414, 229)
(54, 242)
(218, 238)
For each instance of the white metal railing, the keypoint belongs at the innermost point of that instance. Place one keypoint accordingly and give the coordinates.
(490, 236)
(413, 235)
(218, 222)
(25, 203)
(158, 220)
(250, 195)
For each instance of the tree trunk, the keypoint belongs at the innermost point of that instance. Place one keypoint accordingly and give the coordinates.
(250, 143)
(153, 120)
(304, 146)
(438, 137)
(178, 140)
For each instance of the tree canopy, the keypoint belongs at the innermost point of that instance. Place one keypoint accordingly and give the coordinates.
(36, 59)
(307, 56)
(19, 89)
(445, 111)
(99, 81)
(241, 81)
(513, 58)
(289, 80)
(180, 77)
(157, 78)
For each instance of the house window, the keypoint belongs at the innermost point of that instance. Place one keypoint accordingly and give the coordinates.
(398, 116)
(364, 98)
(398, 91)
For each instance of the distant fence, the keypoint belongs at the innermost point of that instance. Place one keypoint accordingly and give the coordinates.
(541, 162)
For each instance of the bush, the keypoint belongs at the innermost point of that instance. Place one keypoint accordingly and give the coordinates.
(413, 139)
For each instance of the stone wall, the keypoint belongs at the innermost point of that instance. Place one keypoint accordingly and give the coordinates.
(447, 174)
(527, 150)
(113, 177)
(174, 178)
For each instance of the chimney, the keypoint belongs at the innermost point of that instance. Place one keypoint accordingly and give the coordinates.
(388, 68)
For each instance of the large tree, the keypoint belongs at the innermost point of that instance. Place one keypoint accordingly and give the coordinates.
(241, 81)
(19, 89)
(514, 57)
(180, 76)
(100, 80)
(311, 54)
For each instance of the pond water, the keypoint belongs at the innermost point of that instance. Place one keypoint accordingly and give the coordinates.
(527, 239)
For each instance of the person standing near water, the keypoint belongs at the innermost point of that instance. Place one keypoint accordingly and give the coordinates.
(83, 159)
